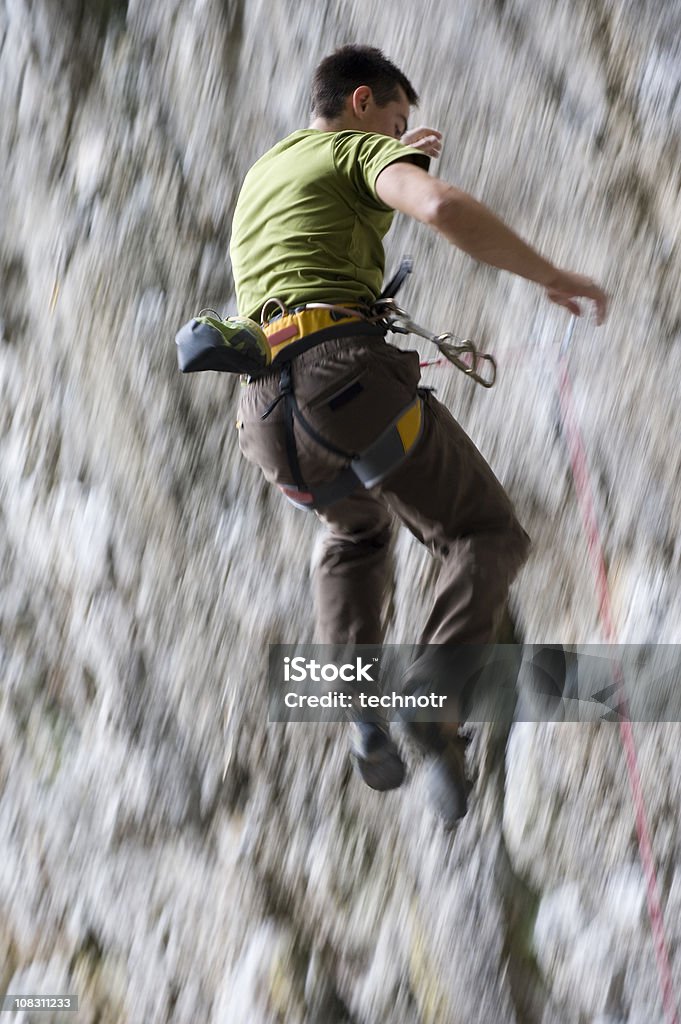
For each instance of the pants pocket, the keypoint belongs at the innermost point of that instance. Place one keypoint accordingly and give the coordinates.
(353, 410)
(339, 393)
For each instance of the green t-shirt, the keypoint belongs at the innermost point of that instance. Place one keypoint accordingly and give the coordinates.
(308, 223)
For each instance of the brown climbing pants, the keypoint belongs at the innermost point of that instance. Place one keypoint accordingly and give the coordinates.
(350, 389)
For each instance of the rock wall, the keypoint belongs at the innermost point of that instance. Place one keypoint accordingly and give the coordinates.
(168, 855)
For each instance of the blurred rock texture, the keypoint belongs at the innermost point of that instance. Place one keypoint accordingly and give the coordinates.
(166, 854)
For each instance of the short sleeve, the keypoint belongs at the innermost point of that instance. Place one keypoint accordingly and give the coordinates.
(361, 156)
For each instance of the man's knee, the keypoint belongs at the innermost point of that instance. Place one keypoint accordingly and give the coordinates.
(355, 544)
(519, 548)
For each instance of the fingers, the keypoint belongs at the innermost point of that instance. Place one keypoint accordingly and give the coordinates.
(592, 291)
(414, 134)
(566, 302)
(428, 140)
(601, 300)
(429, 145)
(572, 286)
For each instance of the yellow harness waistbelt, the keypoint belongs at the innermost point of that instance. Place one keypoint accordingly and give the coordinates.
(305, 328)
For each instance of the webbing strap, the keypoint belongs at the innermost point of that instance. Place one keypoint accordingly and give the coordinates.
(290, 406)
(392, 446)
(322, 495)
(315, 435)
(292, 341)
(399, 277)
(286, 389)
(367, 469)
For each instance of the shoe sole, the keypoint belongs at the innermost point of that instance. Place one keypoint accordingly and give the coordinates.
(381, 771)
(448, 786)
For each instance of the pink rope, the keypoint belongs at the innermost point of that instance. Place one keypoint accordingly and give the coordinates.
(580, 473)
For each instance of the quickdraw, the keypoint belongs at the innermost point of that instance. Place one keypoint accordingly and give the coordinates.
(386, 314)
(461, 352)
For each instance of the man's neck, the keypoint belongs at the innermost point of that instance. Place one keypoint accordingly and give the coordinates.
(321, 124)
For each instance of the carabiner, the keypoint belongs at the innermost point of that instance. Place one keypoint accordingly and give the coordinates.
(473, 369)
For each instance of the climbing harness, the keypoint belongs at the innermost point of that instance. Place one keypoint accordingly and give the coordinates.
(240, 345)
(580, 473)
(289, 333)
(318, 321)
(367, 468)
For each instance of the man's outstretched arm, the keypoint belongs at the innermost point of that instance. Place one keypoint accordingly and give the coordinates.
(474, 228)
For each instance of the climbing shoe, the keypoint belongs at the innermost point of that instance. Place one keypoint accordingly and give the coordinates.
(233, 345)
(447, 783)
(376, 757)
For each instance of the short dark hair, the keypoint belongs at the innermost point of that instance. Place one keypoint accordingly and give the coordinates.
(343, 71)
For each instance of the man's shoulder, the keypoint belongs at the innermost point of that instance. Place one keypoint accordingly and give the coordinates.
(311, 142)
(303, 137)
(351, 139)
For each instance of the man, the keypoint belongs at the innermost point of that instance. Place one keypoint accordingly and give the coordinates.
(308, 228)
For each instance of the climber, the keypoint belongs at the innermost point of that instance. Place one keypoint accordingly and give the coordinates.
(308, 228)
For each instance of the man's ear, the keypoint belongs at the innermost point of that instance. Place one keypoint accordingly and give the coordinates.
(360, 100)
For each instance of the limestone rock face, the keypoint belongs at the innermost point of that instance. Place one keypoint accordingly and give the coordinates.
(167, 854)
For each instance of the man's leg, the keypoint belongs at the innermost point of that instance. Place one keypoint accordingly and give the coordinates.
(351, 570)
(350, 575)
(451, 501)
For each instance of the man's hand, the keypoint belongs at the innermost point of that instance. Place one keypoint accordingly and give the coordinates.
(563, 288)
(428, 140)
(475, 229)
